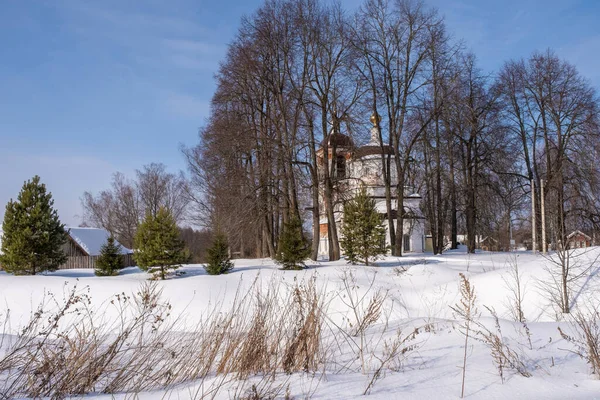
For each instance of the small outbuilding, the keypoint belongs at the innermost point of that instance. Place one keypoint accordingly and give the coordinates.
(489, 244)
(578, 239)
(83, 248)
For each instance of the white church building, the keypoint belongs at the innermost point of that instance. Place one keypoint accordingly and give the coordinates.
(362, 166)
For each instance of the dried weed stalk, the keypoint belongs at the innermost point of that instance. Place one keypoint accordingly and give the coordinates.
(502, 355)
(587, 339)
(466, 310)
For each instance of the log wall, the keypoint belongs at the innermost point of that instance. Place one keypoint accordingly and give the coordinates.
(74, 262)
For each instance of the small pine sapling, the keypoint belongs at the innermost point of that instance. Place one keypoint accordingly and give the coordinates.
(218, 256)
(363, 233)
(158, 247)
(293, 248)
(110, 260)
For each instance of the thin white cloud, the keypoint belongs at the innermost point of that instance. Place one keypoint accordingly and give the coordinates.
(123, 19)
(139, 32)
(164, 53)
(186, 106)
(193, 54)
(193, 46)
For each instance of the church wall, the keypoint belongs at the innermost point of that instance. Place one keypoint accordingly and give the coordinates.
(364, 168)
(414, 228)
(368, 170)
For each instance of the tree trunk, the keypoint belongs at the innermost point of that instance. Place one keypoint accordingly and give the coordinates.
(400, 217)
(453, 211)
(332, 235)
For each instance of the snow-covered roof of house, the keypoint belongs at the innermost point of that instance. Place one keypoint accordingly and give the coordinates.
(91, 240)
(574, 233)
(489, 238)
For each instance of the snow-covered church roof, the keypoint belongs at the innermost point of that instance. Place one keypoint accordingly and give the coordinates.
(92, 239)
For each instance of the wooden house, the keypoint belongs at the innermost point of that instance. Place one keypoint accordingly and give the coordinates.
(489, 244)
(83, 248)
(578, 239)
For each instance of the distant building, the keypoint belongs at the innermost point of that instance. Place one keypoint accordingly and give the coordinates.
(578, 239)
(83, 248)
(489, 244)
(361, 166)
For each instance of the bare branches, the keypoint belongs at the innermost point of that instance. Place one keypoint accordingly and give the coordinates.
(565, 271)
(120, 209)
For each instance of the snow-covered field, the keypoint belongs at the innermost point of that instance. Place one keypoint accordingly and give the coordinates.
(418, 293)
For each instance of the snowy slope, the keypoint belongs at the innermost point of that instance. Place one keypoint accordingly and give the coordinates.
(420, 290)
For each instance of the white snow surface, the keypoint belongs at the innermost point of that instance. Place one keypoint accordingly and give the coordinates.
(92, 239)
(419, 297)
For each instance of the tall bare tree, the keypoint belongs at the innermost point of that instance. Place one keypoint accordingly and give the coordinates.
(120, 209)
(553, 112)
(396, 41)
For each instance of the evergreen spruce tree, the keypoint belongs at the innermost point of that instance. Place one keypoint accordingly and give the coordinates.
(110, 260)
(293, 248)
(33, 235)
(362, 230)
(218, 256)
(158, 247)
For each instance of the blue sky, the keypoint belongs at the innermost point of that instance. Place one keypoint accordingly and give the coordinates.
(88, 88)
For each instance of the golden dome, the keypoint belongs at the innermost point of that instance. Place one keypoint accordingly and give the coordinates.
(375, 119)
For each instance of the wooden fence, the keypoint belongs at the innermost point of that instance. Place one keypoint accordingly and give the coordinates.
(74, 262)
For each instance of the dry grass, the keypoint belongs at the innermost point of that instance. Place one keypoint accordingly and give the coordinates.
(516, 287)
(71, 348)
(503, 355)
(395, 350)
(587, 339)
(366, 308)
(249, 347)
(366, 331)
(467, 311)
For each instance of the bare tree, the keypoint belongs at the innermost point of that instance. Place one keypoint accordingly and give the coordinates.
(553, 112)
(438, 145)
(565, 271)
(158, 188)
(477, 129)
(117, 209)
(333, 93)
(396, 40)
(120, 209)
(299, 72)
